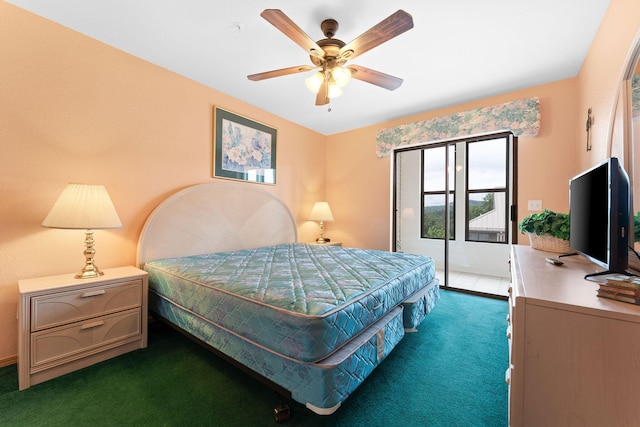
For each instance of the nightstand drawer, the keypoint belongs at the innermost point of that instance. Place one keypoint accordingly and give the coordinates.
(65, 307)
(80, 337)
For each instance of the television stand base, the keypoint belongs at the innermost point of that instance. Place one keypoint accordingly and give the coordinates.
(603, 273)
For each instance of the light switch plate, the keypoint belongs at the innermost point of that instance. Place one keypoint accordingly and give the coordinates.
(534, 205)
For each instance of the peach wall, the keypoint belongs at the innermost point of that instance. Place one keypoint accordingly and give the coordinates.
(74, 109)
(600, 76)
(358, 183)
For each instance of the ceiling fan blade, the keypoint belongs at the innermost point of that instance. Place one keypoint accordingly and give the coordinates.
(281, 72)
(322, 98)
(375, 77)
(282, 22)
(393, 26)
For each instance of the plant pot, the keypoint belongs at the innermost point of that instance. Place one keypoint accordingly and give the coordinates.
(548, 243)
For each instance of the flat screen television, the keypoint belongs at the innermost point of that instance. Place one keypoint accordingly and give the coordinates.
(599, 216)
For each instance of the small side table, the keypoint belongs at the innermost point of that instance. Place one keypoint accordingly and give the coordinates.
(65, 323)
(327, 243)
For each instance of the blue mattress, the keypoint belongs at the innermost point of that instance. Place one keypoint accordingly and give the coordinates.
(300, 301)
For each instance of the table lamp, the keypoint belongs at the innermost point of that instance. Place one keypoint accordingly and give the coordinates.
(321, 212)
(84, 207)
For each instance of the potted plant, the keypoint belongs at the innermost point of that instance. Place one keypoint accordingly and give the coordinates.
(634, 253)
(547, 231)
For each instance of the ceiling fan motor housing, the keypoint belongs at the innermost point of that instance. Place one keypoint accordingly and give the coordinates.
(331, 48)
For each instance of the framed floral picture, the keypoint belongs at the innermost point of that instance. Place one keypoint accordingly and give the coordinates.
(243, 149)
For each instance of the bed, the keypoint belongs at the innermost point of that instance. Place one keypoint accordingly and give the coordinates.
(310, 320)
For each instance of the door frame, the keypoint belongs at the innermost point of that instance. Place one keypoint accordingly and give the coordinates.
(512, 164)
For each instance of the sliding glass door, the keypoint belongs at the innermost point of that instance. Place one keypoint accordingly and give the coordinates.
(453, 201)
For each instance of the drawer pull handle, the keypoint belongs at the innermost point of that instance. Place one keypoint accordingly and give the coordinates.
(93, 293)
(92, 325)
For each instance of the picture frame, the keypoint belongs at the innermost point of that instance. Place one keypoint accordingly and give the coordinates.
(243, 148)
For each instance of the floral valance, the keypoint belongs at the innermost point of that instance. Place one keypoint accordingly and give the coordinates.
(521, 117)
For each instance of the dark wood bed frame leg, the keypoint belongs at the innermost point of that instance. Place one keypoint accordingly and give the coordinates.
(282, 411)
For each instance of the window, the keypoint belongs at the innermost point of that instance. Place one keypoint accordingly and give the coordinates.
(478, 200)
(487, 210)
(435, 184)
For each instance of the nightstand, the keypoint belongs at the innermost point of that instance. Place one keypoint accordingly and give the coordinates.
(327, 244)
(65, 324)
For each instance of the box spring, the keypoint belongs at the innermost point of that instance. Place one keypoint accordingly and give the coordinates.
(418, 305)
(321, 386)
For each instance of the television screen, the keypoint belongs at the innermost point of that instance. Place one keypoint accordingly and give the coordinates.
(599, 215)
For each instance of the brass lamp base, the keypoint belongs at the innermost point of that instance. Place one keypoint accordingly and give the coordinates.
(90, 270)
(321, 238)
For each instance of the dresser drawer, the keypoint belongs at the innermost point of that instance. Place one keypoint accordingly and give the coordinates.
(65, 307)
(80, 337)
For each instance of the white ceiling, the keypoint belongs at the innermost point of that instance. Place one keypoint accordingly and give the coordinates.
(458, 50)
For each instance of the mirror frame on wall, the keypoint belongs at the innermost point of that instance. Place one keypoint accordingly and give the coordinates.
(623, 139)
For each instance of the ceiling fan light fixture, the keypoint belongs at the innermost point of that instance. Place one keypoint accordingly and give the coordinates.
(333, 91)
(315, 81)
(341, 76)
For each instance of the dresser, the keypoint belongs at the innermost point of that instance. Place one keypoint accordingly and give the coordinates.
(574, 358)
(65, 323)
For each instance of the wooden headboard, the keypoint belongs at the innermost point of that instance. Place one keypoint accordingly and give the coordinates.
(215, 217)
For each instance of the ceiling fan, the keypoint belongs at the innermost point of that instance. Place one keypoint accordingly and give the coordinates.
(330, 55)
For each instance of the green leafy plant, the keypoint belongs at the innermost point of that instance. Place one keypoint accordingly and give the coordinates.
(636, 227)
(546, 222)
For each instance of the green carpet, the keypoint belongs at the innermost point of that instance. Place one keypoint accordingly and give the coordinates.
(450, 373)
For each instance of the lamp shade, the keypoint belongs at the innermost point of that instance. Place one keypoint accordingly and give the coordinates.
(341, 76)
(334, 91)
(83, 206)
(314, 82)
(321, 212)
